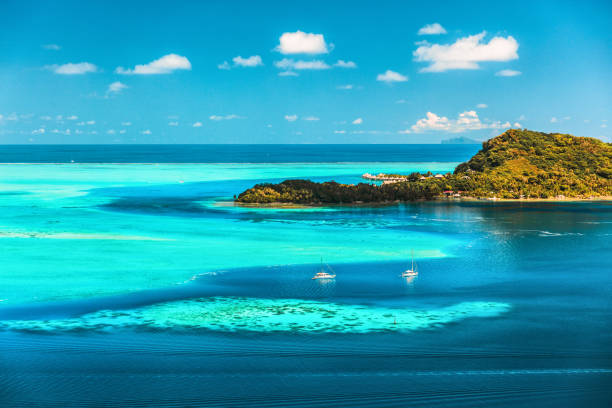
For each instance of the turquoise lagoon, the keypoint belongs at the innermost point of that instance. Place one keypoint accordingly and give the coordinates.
(75, 230)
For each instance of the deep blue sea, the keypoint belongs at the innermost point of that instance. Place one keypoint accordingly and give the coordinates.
(128, 278)
(237, 153)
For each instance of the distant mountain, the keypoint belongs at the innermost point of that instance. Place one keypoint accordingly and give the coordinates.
(460, 140)
(514, 165)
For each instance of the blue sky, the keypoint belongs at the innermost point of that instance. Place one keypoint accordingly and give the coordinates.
(307, 72)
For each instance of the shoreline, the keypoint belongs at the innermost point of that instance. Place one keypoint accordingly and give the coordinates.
(281, 205)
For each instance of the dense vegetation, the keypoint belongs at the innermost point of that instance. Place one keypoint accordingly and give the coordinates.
(515, 164)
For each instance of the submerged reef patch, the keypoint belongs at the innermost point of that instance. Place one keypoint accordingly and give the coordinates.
(229, 314)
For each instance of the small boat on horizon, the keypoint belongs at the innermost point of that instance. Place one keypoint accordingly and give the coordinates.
(323, 274)
(412, 272)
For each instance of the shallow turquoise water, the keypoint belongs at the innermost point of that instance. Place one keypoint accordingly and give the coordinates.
(73, 231)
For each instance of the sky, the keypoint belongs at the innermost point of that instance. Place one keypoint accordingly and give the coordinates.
(301, 72)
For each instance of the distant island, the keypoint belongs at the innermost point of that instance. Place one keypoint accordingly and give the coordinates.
(460, 140)
(518, 164)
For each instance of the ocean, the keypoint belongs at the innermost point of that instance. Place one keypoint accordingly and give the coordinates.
(128, 278)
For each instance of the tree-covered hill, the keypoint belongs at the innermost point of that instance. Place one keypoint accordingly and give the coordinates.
(516, 164)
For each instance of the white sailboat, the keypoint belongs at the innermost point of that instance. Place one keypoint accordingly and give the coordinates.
(412, 271)
(323, 274)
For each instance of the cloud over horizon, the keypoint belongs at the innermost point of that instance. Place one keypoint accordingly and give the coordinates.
(239, 61)
(466, 53)
(289, 64)
(345, 64)
(508, 73)
(252, 61)
(224, 117)
(391, 76)
(70, 68)
(164, 65)
(300, 42)
(467, 120)
(116, 87)
(51, 47)
(432, 29)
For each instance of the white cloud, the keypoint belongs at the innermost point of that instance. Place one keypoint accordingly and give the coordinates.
(164, 65)
(466, 53)
(391, 76)
(467, 120)
(73, 69)
(52, 47)
(369, 132)
(116, 87)
(39, 131)
(197, 124)
(126, 123)
(145, 132)
(47, 117)
(173, 123)
(226, 117)
(482, 106)
(78, 132)
(91, 122)
(345, 87)
(401, 101)
(288, 64)
(311, 118)
(507, 73)
(111, 131)
(291, 118)
(432, 29)
(340, 132)
(345, 64)
(517, 125)
(357, 121)
(72, 117)
(252, 61)
(603, 125)
(300, 42)
(122, 131)
(288, 73)
(554, 120)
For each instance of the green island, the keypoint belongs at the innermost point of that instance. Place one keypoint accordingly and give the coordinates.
(518, 164)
